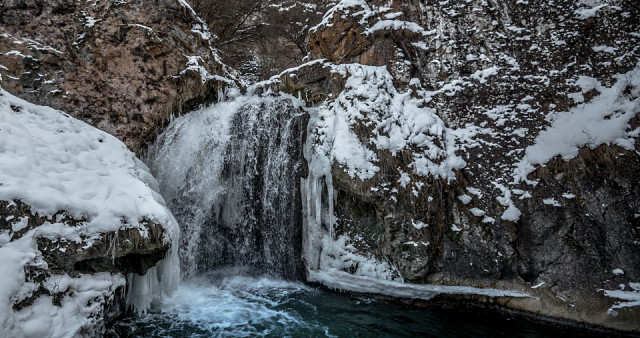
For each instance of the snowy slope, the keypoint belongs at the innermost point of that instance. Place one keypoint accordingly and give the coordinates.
(53, 162)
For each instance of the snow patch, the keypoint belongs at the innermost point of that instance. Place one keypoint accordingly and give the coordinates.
(419, 225)
(477, 212)
(586, 13)
(603, 120)
(465, 199)
(618, 272)
(551, 201)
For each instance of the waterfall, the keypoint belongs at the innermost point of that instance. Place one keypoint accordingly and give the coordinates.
(231, 175)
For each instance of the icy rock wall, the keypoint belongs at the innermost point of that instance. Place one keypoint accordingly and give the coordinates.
(536, 111)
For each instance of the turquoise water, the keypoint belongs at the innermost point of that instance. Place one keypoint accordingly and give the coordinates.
(220, 305)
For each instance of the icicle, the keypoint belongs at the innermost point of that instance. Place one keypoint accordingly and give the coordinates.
(317, 195)
(329, 183)
(157, 284)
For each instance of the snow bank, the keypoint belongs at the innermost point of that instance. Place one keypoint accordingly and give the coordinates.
(53, 162)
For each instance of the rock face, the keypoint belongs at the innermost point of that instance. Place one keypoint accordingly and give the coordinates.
(123, 66)
(562, 226)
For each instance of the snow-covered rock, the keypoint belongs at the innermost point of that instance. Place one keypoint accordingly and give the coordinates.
(74, 204)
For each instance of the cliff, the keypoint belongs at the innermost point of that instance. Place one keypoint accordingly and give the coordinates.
(489, 144)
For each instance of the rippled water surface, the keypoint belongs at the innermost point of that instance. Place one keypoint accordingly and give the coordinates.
(239, 306)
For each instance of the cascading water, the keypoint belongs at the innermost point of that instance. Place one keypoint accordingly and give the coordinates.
(231, 175)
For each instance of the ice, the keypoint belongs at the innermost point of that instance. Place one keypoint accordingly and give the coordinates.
(628, 298)
(340, 280)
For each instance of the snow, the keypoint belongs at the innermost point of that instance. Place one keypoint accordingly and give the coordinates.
(465, 199)
(482, 75)
(475, 192)
(586, 13)
(404, 178)
(618, 272)
(605, 49)
(397, 120)
(23, 223)
(342, 6)
(80, 298)
(511, 214)
(53, 162)
(628, 298)
(538, 285)
(395, 25)
(477, 212)
(419, 225)
(552, 202)
(603, 120)
(90, 21)
(193, 64)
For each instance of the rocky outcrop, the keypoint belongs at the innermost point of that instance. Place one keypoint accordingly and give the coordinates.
(499, 75)
(126, 250)
(123, 67)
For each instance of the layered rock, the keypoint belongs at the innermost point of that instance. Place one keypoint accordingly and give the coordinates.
(123, 66)
(525, 174)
